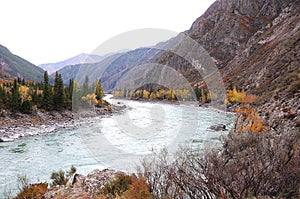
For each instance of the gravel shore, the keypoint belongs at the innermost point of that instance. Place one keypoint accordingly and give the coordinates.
(23, 125)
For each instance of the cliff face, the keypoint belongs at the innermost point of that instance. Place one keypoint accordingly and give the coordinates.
(227, 25)
(269, 66)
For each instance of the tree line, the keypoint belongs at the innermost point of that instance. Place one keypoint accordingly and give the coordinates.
(145, 93)
(26, 97)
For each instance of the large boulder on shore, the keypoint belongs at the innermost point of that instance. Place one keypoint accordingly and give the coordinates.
(217, 127)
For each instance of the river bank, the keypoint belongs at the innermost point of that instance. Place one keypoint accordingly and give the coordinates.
(16, 126)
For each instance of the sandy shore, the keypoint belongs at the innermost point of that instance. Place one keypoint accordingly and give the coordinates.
(22, 125)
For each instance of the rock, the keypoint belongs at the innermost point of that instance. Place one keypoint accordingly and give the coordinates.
(217, 127)
(76, 180)
(79, 185)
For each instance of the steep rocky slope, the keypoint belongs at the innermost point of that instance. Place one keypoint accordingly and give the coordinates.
(269, 66)
(13, 66)
(255, 44)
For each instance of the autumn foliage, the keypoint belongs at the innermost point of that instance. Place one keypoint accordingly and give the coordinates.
(252, 122)
(33, 191)
(127, 187)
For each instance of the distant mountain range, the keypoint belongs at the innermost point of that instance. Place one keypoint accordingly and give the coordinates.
(12, 66)
(79, 59)
(82, 58)
(110, 69)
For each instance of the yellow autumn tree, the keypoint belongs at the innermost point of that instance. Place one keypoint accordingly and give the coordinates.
(117, 93)
(235, 96)
(24, 93)
(145, 94)
(90, 99)
(253, 122)
(153, 96)
(169, 94)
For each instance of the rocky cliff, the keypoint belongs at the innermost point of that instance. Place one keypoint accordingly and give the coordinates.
(255, 45)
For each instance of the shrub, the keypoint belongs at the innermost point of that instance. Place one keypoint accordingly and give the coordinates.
(138, 189)
(127, 187)
(33, 191)
(60, 177)
(23, 182)
(247, 165)
(175, 176)
(234, 96)
(254, 165)
(118, 186)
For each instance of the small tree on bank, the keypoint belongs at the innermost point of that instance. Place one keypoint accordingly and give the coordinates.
(99, 93)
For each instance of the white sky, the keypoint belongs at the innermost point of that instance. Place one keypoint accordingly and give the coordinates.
(44, 31)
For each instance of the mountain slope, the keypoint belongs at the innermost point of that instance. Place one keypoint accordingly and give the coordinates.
(13, 66)
(111, 69)
(255, 45)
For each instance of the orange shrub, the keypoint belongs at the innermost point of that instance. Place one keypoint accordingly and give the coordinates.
(33, 191)
(139, 189)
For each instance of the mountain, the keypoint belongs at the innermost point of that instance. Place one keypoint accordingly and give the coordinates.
(109, 69)
(13, 66)
(82, 58)
(79, 59)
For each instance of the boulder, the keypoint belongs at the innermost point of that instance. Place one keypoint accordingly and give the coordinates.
(217, 127)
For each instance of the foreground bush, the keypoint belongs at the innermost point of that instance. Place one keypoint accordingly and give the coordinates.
(60, 177)
(127, 187)
(247, 165)
(33, 191)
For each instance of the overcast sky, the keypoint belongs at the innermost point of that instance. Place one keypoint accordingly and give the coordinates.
(44, 31)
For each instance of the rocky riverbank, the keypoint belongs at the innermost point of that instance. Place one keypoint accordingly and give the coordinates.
(21, 125)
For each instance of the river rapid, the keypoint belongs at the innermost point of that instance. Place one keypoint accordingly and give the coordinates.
(116, 142)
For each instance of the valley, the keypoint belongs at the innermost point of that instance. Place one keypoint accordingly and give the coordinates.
(211, 113)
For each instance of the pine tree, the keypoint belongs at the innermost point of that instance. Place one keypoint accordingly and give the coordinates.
(85, 86)
(3, 98)
(69, 94)
(198, 93)
(58, 97)
(15, 100)
(99, 92)
(47, 102)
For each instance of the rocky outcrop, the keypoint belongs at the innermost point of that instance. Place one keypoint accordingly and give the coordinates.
(88, 186)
